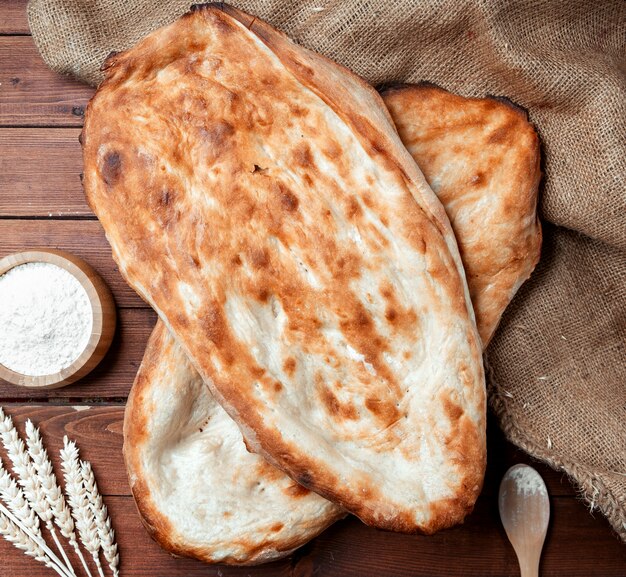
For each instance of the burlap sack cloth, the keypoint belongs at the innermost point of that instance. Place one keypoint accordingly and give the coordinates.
(557, 363)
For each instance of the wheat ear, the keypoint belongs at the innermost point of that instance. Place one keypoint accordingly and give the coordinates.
(77, 498)
(28, 479)
(13, 496)
(23, 468)
(103, 521)
(52, 491)
(14, 533)
(30, 498)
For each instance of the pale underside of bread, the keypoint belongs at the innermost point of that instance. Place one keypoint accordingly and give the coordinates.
(258, 197)
(199, 491)
(481, 158)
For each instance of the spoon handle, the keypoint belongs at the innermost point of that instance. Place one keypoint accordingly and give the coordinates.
(529, 565)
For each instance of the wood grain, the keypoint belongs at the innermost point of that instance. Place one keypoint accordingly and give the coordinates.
(139, 555)
(40, 173)
(33, 95)
(13, 17)
(478, 547)
(350, 549)
(113, 377)
(82, 237)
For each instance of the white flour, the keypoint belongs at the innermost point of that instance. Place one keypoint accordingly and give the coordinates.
(45, 319)
(528, 481)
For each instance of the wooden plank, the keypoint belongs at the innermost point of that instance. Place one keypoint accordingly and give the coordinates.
(139, 555)
(40, 173)
(83, 238)
(478, 547)
(97, 429)
(577, 545)
(113, 377)
(31, 94)
(13, 17)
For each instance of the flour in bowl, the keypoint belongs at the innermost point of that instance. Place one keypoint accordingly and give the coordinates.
(45, 319)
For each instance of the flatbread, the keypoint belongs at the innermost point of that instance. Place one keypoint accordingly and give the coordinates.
(481, 157)
(298, 256)
(199, 491)
(166, 369)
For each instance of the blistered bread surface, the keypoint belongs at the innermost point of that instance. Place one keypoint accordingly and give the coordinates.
(258, 197)
(481, 157)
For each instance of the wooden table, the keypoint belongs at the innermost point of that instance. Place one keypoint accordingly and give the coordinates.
(41, 204)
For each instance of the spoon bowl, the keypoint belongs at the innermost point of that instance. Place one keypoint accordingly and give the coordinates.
(525, 513)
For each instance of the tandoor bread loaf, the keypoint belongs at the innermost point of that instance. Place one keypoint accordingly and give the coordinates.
(187, 460)
(481, 158)
(258, 197)
(202, 448)
(199, 491)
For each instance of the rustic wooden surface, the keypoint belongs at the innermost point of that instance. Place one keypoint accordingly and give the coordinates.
(41, 204)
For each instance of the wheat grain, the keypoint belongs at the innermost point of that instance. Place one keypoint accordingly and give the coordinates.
(105, 531)
(30, 497)
(48, 482)
(78, 500)
(103, 521)
(14, 535)
(35, 494)
(24, 469)
(28, 479)
(13, 496)
(52, 492)
(13, 531)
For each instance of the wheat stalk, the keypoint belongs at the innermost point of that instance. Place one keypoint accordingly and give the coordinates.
(28, 479)
(79, 502)
(21, 540)
(31, 497)
(52, 491)
(23, 468)
(13, 534)
(35, 494)
(19, 535)
(103, 521)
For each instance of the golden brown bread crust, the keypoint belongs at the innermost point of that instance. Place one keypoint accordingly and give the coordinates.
(481, 157)
(343, 260)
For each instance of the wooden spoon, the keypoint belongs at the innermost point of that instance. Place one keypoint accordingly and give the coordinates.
(525, 512)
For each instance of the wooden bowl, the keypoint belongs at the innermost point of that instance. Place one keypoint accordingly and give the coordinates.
(103, 319)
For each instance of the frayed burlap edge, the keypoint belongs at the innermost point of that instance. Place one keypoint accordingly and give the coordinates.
(591, 487)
